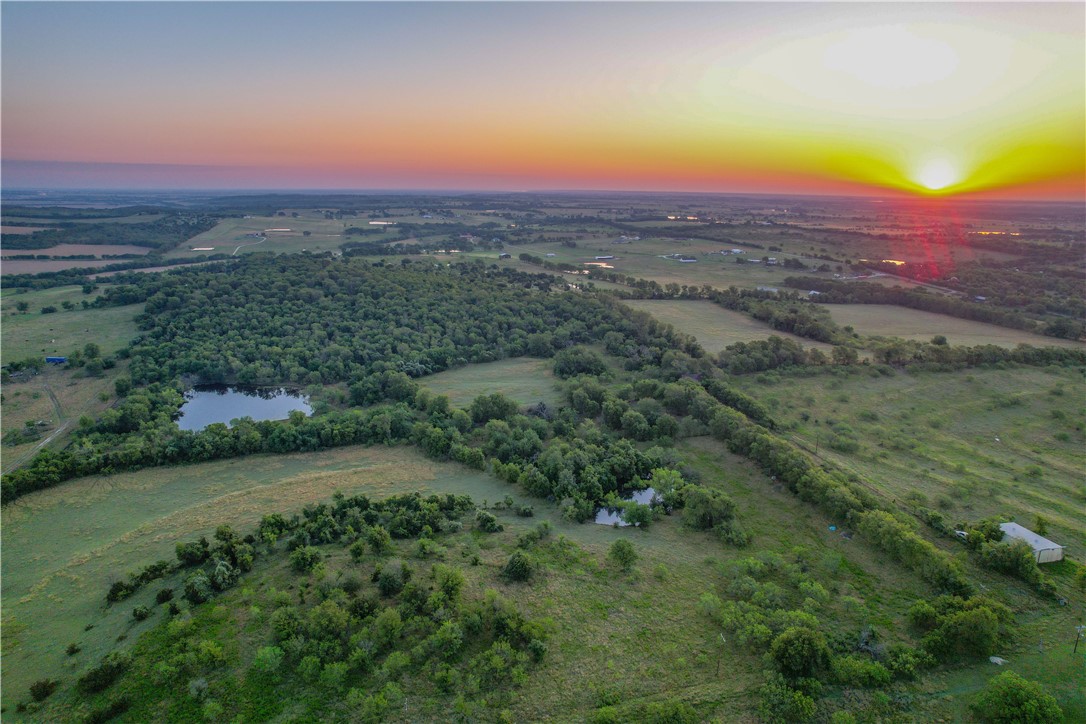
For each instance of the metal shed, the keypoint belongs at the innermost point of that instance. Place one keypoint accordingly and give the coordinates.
(1044, 550)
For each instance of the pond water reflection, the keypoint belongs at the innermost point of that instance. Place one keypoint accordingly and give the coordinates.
(205, 404)
(613, 516)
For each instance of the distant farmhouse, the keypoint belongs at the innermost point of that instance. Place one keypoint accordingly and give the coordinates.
(1044, 550)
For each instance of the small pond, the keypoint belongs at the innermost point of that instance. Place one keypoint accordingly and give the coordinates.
(613, 516)
(205, 404)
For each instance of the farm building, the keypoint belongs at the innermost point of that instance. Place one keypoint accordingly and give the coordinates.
(56, 360)
(1043, 549)
(604, 257)
(504, 255)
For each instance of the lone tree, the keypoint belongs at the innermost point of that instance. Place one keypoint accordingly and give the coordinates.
(623, 555)
(1011, 698)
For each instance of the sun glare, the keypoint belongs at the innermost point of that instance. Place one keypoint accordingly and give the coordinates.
(936, 174)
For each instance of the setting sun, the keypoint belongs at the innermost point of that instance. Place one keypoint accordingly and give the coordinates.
(936, 174)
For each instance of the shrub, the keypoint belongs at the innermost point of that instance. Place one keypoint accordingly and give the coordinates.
(781, 704)
(198, 587)
(856, 671)
(519, 567)
(41, 689)
(268, 659)
(799, 652)
(141, 613)
(305, 559)
(669, 711)
(390, 580)
(623, 555)
(103, 675)
(112, 710)
(487, 523)
(1010, 698)
(166, 594)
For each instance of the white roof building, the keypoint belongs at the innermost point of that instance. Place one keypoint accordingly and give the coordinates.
(1043, 549)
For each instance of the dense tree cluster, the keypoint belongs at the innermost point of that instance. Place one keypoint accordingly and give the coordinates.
(316, 319)
(164, 233)
(347, 647)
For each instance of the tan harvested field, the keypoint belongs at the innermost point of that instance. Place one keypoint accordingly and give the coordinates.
(69, 249)
(714, 327)
(21, 229)
(29, 266)
(892, 321)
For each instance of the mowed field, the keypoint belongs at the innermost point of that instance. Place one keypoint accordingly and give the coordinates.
(892, 321)
(713, 326)
(524, 379)
(33, 334)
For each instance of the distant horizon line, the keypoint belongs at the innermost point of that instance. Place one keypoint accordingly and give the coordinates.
(245, 191)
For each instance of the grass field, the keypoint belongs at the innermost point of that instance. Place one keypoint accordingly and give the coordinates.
(647, 631)
(893, 321)
(713, 326)
(33, 334)
(229, 234)
(643, 259)
(58, 398)
(524, 379)
(972, 443)
(37, 266)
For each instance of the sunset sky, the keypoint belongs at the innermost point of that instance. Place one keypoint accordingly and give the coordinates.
(856, 98)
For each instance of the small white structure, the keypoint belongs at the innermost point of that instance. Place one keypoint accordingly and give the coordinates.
(1043, 549)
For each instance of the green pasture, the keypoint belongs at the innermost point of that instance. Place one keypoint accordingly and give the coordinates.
(229, 234)
(892, 321)
(646, 630)
(524, 379)
(971, 443)
(33, 334)
(643, 259)
(713, 326)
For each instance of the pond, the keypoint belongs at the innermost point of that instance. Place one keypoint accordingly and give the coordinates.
(613, 516)
(205, 404)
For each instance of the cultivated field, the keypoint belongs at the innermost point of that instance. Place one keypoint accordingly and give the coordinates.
(713, 326)
(37, 266)
(33, 334)
(891, 321)
(69, 249)
(524, 379)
